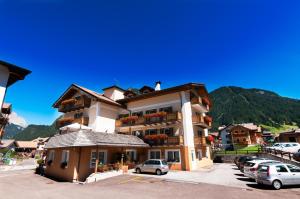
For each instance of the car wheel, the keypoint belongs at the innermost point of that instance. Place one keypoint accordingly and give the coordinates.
(138, 170)
(158, 172)
(299, 151)
(276, 184)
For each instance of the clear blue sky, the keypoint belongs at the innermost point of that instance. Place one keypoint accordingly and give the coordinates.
(102, 42)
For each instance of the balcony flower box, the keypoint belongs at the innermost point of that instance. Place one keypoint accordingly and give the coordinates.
(63, 165)
(159, 114)
(49, 162)
(129, 119)
(156, 139)
(207, 119)
(205, 101)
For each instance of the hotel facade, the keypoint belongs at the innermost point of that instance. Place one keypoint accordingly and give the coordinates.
(132, 124)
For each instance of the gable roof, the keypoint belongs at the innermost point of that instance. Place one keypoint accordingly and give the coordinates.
(94, 94)
(114, 86)
(89, 138)
(183, 87)
(16, 73)
(26, 144)
(6, 143)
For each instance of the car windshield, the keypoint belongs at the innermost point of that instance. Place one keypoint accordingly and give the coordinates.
(164, 162)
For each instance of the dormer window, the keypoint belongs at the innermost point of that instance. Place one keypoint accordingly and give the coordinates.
(146, 89)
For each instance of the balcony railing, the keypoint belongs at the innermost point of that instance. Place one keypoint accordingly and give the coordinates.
(154, 140)
(3, 120)
(204, 121)
(201, 103)
(70, 120)
(148, 119)
(74, 104)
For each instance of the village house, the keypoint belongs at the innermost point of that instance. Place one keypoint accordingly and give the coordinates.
(240, 135)
(290, 136)
(134, 125)
(9, 74)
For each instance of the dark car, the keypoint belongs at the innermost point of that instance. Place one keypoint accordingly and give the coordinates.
(242, 159)
(296, 156)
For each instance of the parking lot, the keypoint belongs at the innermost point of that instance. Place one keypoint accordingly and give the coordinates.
(221, 181)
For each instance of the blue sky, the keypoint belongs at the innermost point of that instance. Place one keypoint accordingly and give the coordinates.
(97, 43)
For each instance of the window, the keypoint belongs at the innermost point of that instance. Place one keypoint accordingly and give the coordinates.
(102, 158)
(167, 131)
(131, 155)
(173, 156)
(65, 156)
(151, 132)
(155, 154)
(51, 155)
(139, 114)
(78, 115)
(151, 111)
(199, 154)
(200, 133)
(166, 109)
(281, 169)
(293, 169)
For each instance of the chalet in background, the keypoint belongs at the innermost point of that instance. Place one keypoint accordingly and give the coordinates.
(241, 134)
(290, 136)
(137, 124)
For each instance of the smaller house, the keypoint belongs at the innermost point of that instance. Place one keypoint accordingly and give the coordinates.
(290, 136)
(26, 146)
(241, 134)
(7, 144)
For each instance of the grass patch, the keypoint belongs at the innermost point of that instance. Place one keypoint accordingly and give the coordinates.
(277, 130)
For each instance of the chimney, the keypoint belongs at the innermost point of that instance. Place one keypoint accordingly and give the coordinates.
(157, 86)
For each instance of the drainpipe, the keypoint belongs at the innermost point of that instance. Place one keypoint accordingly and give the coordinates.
(78, 165)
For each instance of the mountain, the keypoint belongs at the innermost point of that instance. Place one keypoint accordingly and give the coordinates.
(239, 105)
(11, 130)
(33, 131)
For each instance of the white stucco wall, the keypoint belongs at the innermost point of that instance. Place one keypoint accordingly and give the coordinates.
(187, 120)
(4, 75)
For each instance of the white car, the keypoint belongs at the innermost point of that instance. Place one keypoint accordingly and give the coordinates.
(291, 147)
(276, 146)
(250, 168)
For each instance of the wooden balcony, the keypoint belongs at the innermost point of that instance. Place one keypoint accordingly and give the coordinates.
(174, 140)
(74, 104)
(203, 121)
(3, 120)
(66, 121)
(200, 104)
(143, 120)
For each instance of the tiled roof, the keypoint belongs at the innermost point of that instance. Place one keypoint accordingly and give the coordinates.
(6, 143)
(26, 144)
(89, 138)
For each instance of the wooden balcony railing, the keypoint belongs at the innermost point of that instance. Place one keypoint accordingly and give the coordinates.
(170, 140)
(142, 120)
(3, 120)
(70, 120)
(204, 121)
(74, 104)
(204, 102)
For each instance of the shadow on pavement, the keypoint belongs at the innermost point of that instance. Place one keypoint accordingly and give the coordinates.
(241, 175)
(246, 179)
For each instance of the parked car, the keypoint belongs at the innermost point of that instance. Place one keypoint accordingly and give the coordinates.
(296, 156)
(278, 175)
(250, 167)
(242, 164)
(275, 146)
(156, 166)
(244, 159)
(291, 147)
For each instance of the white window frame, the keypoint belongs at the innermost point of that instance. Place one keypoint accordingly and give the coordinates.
(153, 150)
(97, 156)
(134, 152)
(65, 158)
(51, 155)
(173, 150)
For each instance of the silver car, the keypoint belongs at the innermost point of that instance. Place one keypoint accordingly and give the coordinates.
(278, 175)
(250, 168)
(156, 166)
